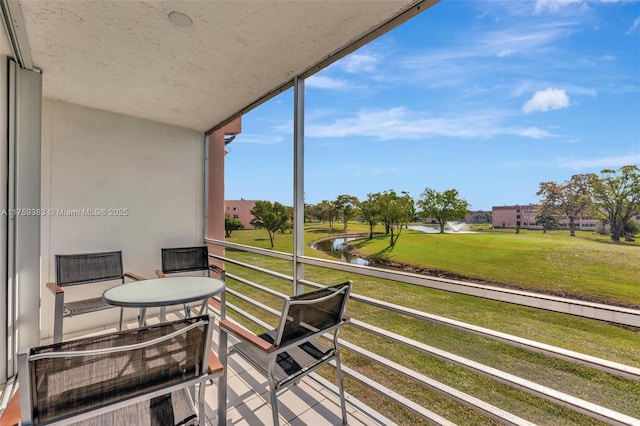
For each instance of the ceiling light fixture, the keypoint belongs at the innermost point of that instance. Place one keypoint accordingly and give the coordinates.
(179, 19)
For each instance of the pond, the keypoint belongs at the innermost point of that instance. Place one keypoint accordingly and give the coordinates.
(335, 248)
(449, 228)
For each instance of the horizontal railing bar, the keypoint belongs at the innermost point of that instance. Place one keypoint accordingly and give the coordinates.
(249, 316)
(610, 367)
(590, 409)
(254, 302)
(577, 404)
(463, 398)
(253, 267)
(353, 401)
(394, 396)
(257, 286)
(597, 311)
(250, 249)
(600, 364)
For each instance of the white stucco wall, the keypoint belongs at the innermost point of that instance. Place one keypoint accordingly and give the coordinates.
(94, 159)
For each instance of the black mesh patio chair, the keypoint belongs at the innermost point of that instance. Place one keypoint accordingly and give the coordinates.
(82, 269)
(136, 377)
(188, 259)
(295, 348)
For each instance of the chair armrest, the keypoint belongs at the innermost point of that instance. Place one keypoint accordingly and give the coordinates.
(55, 289)
(133, 276)
(246, 335)
(11, 414)
(215, 366)
(159, 273)
(216, 268)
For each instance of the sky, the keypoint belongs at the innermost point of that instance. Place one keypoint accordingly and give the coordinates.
(490, 98)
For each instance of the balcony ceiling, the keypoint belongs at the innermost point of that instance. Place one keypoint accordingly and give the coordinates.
(127, 57)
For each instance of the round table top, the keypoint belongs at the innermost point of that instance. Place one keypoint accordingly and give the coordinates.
(163, 291)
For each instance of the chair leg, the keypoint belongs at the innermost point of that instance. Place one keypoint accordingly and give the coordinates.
(57, 320)
(274, 401)
(222, 381)
(343, 404)
(202, 418)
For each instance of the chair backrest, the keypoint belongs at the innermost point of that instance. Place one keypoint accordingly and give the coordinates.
(64, 379)
(312, 312)
(183, 259)
(74, 269)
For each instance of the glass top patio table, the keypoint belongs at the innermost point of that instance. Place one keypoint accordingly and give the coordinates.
(163, 291)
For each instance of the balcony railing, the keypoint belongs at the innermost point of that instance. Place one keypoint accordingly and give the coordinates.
(253, 291)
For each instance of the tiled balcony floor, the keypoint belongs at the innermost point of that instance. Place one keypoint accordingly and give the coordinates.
(307, 403)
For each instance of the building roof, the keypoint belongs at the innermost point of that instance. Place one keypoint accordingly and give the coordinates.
(128, 57)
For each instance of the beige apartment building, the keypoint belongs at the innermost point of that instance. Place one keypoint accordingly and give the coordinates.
(524, 216)
(241, 210)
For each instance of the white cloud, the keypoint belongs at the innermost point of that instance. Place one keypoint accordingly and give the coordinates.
(589, 163)
(534, 132)
(545, 100)
(258, 139)
(553, 5)
(360, 62)
(556, 5)
(400, 123)
(475, 59)
(634, 26)
(323, 82)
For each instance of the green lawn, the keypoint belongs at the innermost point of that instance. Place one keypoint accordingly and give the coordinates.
(584, 266)
(567, 263)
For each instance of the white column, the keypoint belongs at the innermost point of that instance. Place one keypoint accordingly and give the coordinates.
(23, 204)
(298, 183)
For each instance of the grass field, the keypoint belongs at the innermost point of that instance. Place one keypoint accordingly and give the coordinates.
(586, 266)
(552, 263)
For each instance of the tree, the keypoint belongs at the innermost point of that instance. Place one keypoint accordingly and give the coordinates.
(630, 229)
(617, 197)
(323, 211)
(547, 219)
(231, 224)
(570, 199)
(345, 207)
(371, 211)
(442, 206)
(396, 211)
(272, 217)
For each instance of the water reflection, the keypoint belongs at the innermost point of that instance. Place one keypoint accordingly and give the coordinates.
(423, 228)
(449, 228)
(335, 248)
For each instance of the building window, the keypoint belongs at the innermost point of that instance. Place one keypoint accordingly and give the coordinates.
(235, 216)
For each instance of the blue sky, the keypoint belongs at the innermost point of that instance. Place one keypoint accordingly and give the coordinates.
(490, 98)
